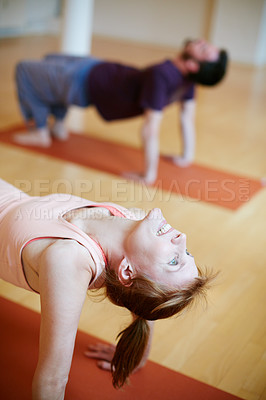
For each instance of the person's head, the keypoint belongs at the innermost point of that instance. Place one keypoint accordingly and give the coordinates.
(157, 278)
(206, 64)
(159, 251)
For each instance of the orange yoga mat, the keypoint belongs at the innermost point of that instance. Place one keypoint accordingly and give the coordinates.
(19, 352)
(196, 182)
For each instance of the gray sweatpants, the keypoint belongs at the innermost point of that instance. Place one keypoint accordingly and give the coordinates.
(50, 86)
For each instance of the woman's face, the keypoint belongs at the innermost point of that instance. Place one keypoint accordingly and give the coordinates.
(155, 248)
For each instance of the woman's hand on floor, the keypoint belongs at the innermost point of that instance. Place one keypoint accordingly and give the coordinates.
(180, 161)
(102, 352)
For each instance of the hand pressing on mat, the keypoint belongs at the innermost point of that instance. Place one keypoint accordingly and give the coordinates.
(102, 352)
(136, 176)
(180, 161)
(105, 352)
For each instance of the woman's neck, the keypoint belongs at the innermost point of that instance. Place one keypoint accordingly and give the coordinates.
(108, 231)
(111, 233)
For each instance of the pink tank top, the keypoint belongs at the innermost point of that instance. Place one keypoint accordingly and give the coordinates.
(24, 219)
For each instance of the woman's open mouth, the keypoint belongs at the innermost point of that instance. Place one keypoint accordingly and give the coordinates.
(164, 229)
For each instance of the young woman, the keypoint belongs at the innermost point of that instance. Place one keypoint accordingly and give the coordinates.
(61, 246)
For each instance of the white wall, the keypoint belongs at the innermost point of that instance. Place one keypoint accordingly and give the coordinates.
(260, 56)
(12, 14)
(163, 22)
(20, 17)
(239, 25)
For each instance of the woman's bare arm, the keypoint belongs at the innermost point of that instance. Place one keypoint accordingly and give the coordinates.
(64, 278)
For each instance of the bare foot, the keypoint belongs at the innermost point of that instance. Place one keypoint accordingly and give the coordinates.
(38, 137)
(59, 131)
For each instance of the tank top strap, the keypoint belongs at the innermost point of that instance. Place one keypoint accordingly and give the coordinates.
(117, 210)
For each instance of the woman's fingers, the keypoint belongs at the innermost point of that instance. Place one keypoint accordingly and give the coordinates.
(100, 351)
(105, 365)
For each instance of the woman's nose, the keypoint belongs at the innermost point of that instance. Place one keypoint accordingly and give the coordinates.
(180, 240)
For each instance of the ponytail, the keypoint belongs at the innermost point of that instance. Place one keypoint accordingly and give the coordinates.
(148, 301)
(129, 350)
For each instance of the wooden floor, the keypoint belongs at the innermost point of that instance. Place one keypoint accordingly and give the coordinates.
(225, 344)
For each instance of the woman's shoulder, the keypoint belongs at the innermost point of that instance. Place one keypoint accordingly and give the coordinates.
(68, 256)
(67, 251)
(48, 257)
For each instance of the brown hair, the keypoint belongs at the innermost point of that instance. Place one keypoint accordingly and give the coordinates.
(148, 300)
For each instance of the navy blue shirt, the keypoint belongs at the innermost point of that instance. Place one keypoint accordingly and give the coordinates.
(120, 91)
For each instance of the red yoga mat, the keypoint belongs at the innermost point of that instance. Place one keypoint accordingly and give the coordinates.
(19, 353)
(197, 182)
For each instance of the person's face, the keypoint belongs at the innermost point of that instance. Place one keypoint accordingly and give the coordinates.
(155, 248)
(200, 50)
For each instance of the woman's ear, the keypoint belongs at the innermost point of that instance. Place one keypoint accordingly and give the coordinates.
(125, 272)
